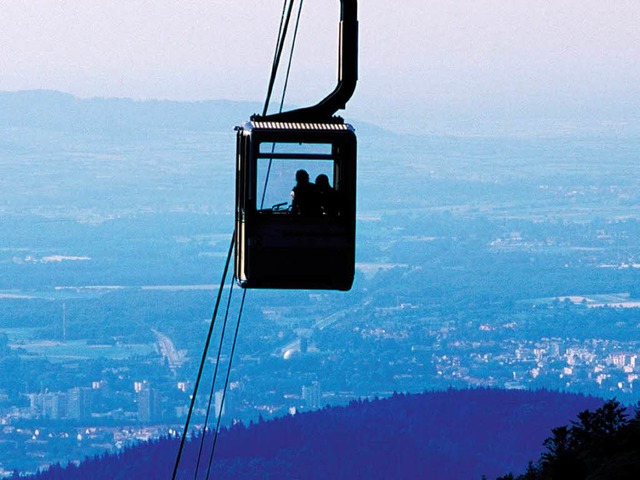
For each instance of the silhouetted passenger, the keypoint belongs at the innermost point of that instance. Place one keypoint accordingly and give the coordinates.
(328, 196)
(305, 199)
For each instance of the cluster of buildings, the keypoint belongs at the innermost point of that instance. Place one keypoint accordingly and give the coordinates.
(74, 404)
(84, 405)
(71, 425)
(600, 367)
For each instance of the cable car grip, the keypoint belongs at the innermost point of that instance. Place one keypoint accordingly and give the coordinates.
(325, 110)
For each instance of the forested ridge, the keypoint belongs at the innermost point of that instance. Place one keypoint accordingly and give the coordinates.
(453, 434)
(599, 445)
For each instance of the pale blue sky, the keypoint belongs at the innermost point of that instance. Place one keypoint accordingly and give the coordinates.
(423, 62)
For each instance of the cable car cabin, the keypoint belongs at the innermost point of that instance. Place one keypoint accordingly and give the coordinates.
(294, 234)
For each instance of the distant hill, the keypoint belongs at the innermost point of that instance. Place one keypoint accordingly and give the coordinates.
(62, 111)
(454, 434)
(52, 110)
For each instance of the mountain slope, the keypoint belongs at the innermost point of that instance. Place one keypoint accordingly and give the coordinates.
(441, 435)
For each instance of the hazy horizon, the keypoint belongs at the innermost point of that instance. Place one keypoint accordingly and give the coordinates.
(427, 66)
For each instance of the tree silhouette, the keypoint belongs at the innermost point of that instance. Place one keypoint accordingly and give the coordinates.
(601, 444)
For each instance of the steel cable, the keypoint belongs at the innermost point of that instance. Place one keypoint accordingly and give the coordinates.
(203, 359)
(213, 381)
(226, 384)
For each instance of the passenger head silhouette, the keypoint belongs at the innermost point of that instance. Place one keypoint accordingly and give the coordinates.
(322, 181)
(302, 176)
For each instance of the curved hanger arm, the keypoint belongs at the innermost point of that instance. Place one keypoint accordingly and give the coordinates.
(347, 74)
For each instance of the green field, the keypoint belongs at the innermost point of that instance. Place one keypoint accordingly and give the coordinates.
(57, 351)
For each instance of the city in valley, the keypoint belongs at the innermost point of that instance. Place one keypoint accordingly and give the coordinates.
(509, 262)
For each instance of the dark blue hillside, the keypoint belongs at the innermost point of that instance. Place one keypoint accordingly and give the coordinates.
(455, 434)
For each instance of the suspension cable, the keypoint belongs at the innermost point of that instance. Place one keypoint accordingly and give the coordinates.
(284, 93)
(293, 44)
(276, 61)
(282, 33)
(204, 358)
(274, 66)
(213, 381)
(226, 384)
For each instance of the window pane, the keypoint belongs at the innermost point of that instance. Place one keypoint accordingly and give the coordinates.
(318, 148)
(282, 179)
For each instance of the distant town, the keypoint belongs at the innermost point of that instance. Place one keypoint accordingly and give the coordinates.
(510, 263)
(123, 405)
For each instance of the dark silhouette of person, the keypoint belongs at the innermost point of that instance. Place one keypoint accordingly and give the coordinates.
(328, 196)
(305, 199)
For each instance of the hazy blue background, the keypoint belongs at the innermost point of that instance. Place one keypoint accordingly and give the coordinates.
(448, 67)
